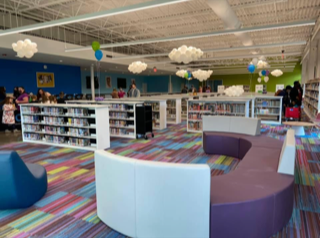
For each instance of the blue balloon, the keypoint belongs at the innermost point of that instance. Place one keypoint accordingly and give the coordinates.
(251, 68)
(189, 74)
(263, 72)
(98, 55)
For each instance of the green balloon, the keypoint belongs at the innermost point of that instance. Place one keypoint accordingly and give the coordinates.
(262, 77)
(186, 75)
(95, 46)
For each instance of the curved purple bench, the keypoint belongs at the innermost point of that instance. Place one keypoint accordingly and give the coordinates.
(254, 201)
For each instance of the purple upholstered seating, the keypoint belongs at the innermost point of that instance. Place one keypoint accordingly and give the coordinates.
(254, 198)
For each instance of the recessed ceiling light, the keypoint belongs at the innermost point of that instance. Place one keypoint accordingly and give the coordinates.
(61, 61)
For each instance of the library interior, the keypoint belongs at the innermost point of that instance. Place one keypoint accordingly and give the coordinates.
(160, 118)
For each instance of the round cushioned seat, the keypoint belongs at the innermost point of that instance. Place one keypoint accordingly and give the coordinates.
(255, 198)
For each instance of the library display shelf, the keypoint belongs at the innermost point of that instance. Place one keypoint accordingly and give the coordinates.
(173, 110)
(311, 99)
(159, 113)
(66, 125)
(268, 109)
(215, 107)
(122, 113)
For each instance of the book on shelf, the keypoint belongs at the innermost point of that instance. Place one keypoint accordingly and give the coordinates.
(31, 119)
(77, 112)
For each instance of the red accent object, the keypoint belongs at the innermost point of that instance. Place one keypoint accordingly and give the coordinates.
(155, 69)
(293, 112)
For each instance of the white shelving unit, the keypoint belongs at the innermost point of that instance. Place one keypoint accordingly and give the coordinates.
(311, 99)
(66, 125)
(174, 111)
(215, 107)
(268, 108)
(159, 113)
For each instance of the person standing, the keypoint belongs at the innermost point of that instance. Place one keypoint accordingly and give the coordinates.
(296, 94)
(23, 97)
(3, 95)
(40, 94)
(134, 92)
(8, 114)
(121, 93)
(185, 89)
(114, 93)
(61, 99)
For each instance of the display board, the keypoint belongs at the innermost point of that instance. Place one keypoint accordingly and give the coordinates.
(259, 88)
(279, 87)
(221, 88)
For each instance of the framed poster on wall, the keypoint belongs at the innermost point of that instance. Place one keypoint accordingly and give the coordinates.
(108, 82)
(220, 88)
(259, 88)
(279, 87)
(45, 80)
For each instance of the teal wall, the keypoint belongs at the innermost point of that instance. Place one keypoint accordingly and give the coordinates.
(154, 83)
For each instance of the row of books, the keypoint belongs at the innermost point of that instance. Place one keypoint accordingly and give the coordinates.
(117, 123)
(29, 127)
(32, 136)
(267, 111)
(155, 116)
(195, 125)
(53, 110)
(312, 86)
(121, 107)
(54, 130)
(312, 94)
(218, 107)
(53, 120)
(30, 109)
(120, 131)
(31, 119)
(79, 142)
(78, 111)
(118, 114)
(171, 103)
(78, 122)
(266, 103)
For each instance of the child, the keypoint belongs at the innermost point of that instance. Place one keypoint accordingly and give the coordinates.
(53, 100)
(8, 114)
(45, 99)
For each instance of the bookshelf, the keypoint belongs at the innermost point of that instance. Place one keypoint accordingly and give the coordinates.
(311, 99)
(173, 110)
(66, 125)
(268, 109)
(159, 113)
(215, 106)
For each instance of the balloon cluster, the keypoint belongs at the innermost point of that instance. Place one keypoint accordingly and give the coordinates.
(181, 73)
(260, 63)
(96, 48)
(234, 91)
(25, 48)
(137, 67)
(264, 75)
(277, 73)
(185, 54)
(202, 75)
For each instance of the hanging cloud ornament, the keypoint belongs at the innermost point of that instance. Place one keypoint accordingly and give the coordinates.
(185, 54)
(181, 73)
(234, 91)
(137, 67)
(202, 75)
(25, 48)
(277, 73)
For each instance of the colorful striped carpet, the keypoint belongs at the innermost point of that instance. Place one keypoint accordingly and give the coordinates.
(69, 207)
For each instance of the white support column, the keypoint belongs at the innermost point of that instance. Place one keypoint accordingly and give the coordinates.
(311, 61)
(92, 83)
(318, 60)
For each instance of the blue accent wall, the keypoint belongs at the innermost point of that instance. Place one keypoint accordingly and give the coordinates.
(154, 83)
(21, 73)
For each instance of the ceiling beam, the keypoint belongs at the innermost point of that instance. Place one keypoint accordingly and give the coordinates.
(91, 16)
(196, 36)
(217, 50)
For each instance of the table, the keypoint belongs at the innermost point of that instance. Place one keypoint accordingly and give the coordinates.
(298, 126)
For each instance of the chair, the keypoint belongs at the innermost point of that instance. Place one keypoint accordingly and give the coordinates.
(21, 185)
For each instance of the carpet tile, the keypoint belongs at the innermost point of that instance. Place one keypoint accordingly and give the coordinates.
(69, 207)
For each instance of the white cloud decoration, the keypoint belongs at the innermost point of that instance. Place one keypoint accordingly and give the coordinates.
(202, 75)
(260, 63)
(277, 73)
(25, 48)
(185, 54)
(180, 73)
(137, 67)
(234, 91)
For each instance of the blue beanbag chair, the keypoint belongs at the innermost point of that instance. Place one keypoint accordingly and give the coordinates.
(21, 185)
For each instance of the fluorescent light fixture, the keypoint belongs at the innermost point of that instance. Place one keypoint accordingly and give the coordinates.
(91, 16)
(201, 35)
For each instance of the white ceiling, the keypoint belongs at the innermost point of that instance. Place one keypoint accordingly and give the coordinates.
(187, 18)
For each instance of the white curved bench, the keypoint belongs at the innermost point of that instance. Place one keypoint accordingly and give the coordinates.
(152, 199)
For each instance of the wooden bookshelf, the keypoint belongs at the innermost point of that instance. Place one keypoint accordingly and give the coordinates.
(215, 107)
(66, 125)
(311, 99)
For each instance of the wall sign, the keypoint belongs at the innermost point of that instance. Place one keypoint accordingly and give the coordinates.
(259, 88)
(45, 80)
(279, 87)
(220, 88)
(108, 82)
